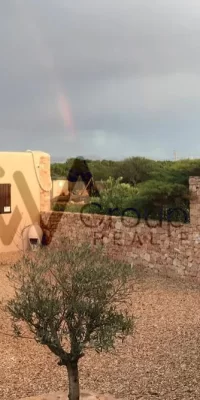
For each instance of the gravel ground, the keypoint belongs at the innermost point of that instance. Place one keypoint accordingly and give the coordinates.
(160, 361)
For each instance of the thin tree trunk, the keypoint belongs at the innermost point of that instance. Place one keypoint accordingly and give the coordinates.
(72, 370)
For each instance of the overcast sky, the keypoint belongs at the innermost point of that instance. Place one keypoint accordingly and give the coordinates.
(104, 78)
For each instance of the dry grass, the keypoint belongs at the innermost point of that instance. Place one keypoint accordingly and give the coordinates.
(160, 361)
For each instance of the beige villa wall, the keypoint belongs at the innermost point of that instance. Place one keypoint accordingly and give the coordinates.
(29, 174)
(170, 250)
(59, 186)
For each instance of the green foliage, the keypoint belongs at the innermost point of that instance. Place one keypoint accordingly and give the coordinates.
(67, 207)
(152, 185)
(59, 207)
(151, 197)
(101, 170)
(71, 296)
(115, 195)
(134, 170)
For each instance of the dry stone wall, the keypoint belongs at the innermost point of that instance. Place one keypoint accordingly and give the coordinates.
(168, 248)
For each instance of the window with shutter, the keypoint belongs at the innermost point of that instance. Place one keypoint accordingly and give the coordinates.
(5, 198)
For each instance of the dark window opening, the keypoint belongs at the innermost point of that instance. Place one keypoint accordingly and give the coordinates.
(33, 240)
(5, 198)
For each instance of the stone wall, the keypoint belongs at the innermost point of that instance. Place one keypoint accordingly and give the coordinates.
(168, 248)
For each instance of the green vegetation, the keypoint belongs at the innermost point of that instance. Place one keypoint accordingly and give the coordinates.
(152, 187)
(71, 300)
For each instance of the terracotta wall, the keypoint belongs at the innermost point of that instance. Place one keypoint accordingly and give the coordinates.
(170, 249)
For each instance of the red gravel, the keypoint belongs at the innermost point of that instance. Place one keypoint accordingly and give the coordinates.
(160, 361)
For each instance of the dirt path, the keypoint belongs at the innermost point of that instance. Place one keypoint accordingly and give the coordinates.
(161, 361)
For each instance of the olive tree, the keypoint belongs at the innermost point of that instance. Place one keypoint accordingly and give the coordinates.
(71, 299)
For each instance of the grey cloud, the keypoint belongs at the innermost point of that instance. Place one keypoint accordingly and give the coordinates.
(129, 69)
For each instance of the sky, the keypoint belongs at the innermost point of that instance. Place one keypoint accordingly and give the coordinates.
(100, 78)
